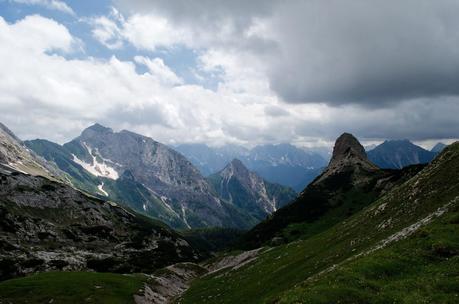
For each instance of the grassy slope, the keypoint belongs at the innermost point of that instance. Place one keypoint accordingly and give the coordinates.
(426, 265)
(72, 287)
(324, 205)
(282, 268)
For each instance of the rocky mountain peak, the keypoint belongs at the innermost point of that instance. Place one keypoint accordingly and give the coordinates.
(347, 145)
(248, 191)
(94, 130)
(348, 156)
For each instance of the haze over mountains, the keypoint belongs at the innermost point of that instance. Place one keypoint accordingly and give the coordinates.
(282, 163)
(157, 181)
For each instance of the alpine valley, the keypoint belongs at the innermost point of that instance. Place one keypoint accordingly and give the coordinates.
(117, 217)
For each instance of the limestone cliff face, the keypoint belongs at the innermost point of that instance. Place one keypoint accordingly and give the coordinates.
(349, 157)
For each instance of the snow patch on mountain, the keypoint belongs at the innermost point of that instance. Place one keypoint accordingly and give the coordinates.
(97, 168)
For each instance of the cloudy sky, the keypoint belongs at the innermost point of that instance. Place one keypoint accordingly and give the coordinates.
(244, 72)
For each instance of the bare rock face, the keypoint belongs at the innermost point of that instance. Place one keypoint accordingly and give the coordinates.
(46, 225)
(14, 154)
(347, 146)
(349, 157)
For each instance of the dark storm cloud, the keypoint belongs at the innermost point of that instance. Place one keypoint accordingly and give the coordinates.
(419, 119)
(367, 52)
(372, 53)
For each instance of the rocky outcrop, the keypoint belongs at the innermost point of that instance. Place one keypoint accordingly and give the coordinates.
(349, 157)
(347, 146)
(14, 154)
(46, 225)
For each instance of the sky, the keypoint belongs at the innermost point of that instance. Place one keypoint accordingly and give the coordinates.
(239, 72)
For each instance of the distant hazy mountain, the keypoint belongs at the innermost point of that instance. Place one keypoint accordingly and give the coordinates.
(283, 163)
(248, 191)
(396, 154)
(438, 147)
(210, 160)
(148, 176)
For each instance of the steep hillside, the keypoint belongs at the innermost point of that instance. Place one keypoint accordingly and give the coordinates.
(348, 184)
(144, 174)
(396, 154)
(14, 154)
(63, 159)
(246, 190)
(402, 248)
(47, 225)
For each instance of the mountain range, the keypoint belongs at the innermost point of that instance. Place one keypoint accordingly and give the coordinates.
(284, 164)
(147, 176)
(357, 233)
(349, 183)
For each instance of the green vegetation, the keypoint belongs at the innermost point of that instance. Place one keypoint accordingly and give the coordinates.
(326, 203)
(421, 269)
(280, 274)
(346, 205)
(72, 287)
